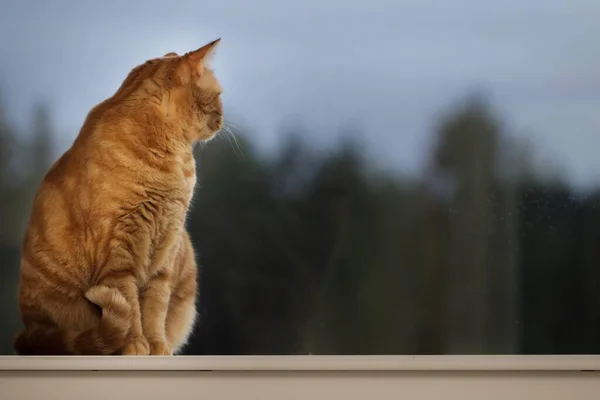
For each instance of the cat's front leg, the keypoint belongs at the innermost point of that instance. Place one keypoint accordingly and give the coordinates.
(154, 299)
(125, 281)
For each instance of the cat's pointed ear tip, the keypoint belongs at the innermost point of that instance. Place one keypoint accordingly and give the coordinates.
(209, 46)
(203, 52)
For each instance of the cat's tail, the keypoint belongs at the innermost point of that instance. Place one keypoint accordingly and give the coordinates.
(107, 338)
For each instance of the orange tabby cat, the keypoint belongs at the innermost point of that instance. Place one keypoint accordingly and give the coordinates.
(107, 265)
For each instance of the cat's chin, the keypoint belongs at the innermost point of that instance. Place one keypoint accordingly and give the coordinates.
(207, 138)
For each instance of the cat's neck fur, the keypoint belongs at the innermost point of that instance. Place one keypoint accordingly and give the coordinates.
(147, 128)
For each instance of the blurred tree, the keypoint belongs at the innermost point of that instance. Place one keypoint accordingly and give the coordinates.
(478, 288)
(316, 252)
(246, 272)
(8, 185)
(22, 167)
(10, 221)
(330, 211)
(42, 143)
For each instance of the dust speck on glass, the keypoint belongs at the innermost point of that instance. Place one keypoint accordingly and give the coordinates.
(398, 178)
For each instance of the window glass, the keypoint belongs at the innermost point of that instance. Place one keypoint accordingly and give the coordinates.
(416, 177)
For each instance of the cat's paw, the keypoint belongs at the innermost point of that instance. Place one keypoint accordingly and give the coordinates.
(160, 348)
(137, 346)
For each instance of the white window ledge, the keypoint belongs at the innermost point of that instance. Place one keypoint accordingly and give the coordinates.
(303, 363)
(301, 378)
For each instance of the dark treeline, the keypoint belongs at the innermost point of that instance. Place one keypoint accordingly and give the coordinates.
(318, 252)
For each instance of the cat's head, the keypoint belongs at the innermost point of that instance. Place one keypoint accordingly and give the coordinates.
(184, 89)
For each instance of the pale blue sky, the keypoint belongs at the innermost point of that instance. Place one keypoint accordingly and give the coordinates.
(388, 64)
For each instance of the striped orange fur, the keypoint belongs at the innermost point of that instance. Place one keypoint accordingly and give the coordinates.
(107, 265)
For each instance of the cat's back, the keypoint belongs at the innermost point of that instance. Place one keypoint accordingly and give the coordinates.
(110, 175)
(76, 182)
(60, 226)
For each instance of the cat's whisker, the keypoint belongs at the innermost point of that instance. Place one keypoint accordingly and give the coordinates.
(237, 142)
(228, 136)
(227, 127)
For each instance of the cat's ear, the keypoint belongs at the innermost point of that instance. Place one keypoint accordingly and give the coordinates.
(197, 59)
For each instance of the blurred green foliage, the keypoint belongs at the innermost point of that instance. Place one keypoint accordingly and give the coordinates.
(318, 252)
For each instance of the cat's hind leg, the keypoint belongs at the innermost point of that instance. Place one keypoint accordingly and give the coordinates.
(181, 315)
